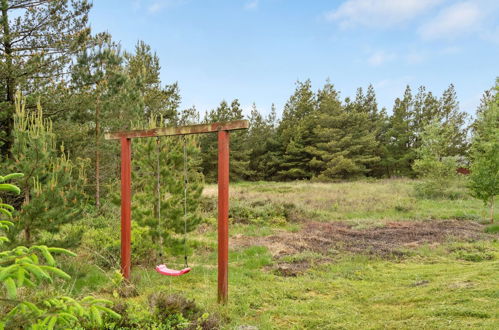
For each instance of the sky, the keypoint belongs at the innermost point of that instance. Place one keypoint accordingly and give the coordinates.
(256, 50)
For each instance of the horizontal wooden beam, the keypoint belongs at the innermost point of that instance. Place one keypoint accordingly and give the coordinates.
(179, 130)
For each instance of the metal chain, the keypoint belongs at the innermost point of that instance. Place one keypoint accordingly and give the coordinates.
(158, 191)
(185, 202)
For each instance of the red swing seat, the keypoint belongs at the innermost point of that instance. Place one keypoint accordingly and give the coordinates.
(164, 270)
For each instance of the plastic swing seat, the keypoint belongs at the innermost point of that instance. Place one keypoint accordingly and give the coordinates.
(164, 270)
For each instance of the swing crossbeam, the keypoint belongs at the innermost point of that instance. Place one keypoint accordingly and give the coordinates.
(223, 129)
(179, 130)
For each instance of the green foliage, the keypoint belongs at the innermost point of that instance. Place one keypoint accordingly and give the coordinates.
(53, 184)
(159, 210)
(295, 133)
(144, 68)
(38, 41)
(23, 267)
(484, 178)
(108, 99)
(262, 142)
(411, 116)
(6, 209)
(474, 252)
(492, 229)
(103, 244)
(433, 164)
(60, 312)
(346, 136)
(239, 152)
(165, 311)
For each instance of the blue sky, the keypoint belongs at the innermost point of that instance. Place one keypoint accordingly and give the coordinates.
(255, 50)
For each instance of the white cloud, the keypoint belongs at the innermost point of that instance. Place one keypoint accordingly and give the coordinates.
(251, 5)
(453, 21)
(380, 57)
(379, 13)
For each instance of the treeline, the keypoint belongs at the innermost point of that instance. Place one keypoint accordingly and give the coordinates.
(87, 85)
(321, 136)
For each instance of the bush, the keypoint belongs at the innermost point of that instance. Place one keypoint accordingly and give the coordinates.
(166, 311)
(434, 187)
(262, 213)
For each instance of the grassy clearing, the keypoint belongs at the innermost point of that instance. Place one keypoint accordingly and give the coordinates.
(449, 285)
(434, 289)
(358, 201)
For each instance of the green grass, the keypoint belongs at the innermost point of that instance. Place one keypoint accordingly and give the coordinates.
(447, 286)
(438, 290)
(392, 199)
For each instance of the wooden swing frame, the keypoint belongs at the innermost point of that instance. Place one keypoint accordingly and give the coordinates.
(222, 129)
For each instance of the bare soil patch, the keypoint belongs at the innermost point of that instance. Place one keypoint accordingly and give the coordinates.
(393, 239)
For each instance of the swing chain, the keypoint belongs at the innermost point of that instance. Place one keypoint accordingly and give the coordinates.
(185, 202)
(158, 190)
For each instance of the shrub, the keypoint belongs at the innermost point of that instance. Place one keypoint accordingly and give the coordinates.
(23, 267)
(434, 165)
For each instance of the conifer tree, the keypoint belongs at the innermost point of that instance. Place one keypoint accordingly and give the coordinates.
(378, 125)
(37, 41)
(260, 141)
(239, 154)
(144, 67)
(159, 222)
(400, 154)
(108, 99)
(53, 184)
(450, 115)
(346, 142)
(296, 133)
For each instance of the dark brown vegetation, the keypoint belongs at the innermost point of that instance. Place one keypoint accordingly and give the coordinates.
(392, 240)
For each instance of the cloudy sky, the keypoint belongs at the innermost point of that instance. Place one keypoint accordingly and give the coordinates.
(255, 50)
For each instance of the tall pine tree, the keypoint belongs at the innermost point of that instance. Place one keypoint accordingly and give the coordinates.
(37, 42)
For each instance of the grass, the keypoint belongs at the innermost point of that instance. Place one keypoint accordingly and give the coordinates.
(435, 291)
(392, 199)
(448, 286)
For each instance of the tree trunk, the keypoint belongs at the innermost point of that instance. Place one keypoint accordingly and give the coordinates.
(8, 121)
(27, 235)
(97, 155)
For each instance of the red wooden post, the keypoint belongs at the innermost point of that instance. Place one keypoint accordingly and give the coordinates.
(223, 216)
(126, 203)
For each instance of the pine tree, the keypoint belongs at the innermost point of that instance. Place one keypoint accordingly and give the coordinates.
(144, 67)
(108, 99)
(261, 130)
(378, 125)
(38, 39)
(400, 154)
(270, 161)
(160, 224)
(346, 142)
(295, 133)
(450, 115)
(53, 184)
(239, 154)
